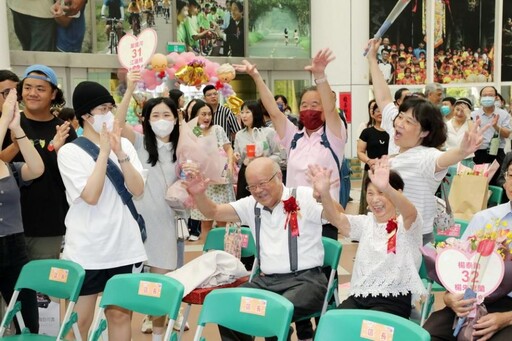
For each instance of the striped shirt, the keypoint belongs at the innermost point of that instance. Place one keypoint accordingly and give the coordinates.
(225, 118)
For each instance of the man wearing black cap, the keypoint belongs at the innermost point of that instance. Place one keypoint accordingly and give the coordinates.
(222, 115)
(43, 203)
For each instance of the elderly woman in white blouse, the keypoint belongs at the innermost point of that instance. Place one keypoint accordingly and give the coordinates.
(458, 125)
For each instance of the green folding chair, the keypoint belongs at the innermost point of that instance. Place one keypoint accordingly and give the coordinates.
(495, 197)
(215, 241)
(257, 312)
(360, 324)
(145, 293)
(56, 278)
(332, 253)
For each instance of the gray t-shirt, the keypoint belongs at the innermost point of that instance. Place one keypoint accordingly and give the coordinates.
(10, 212)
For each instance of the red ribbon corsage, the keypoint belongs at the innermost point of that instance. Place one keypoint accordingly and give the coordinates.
(291, 208)
(391, 229)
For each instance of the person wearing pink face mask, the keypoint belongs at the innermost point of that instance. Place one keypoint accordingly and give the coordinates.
(319, 138)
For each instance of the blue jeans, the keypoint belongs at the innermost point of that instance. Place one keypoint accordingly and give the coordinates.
(13, 255)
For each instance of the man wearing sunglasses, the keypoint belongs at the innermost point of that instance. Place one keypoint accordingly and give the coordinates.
(290, 266)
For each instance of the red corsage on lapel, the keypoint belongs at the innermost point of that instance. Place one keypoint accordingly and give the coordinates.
(391, 229)
(292, 210)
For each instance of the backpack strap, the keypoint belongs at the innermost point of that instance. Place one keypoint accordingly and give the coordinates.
(296, 137)
(15, 173)
(116, 177)
(292, 240)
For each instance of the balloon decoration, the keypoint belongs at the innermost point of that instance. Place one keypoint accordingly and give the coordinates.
(188, 69)
(193, 74)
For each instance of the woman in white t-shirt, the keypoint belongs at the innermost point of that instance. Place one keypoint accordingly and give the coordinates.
(458, 125)
(418, 130)
(102, 235)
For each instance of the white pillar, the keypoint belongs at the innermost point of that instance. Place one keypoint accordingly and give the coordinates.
(5, 60)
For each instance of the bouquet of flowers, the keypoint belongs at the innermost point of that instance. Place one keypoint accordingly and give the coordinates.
(461, 264)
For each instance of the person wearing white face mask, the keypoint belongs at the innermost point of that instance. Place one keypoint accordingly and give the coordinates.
(102, 234)
(494, 141)
(156, 148)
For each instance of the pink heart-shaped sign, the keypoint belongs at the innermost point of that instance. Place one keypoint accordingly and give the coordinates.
(457, 271)
(134, 52)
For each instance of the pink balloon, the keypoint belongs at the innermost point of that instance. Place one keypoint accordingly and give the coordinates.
(179, 61)
(188, 56)
(170, 72)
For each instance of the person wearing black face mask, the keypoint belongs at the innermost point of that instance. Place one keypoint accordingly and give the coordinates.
(319, 122)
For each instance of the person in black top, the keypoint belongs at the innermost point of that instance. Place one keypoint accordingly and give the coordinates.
(372, 144)
(43, 203)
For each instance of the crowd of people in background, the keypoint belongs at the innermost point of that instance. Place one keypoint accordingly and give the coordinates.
(406, 65)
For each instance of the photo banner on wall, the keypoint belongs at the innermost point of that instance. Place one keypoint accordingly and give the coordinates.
(506, 46)
(214, 28)
(279, 29)
(463, 41)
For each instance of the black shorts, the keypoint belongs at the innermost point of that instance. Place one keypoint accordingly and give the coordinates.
(96, 280)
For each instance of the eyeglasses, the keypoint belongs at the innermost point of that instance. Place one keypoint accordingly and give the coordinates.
(5, 93)
(103, 109)
(211, 94)
(261, 184)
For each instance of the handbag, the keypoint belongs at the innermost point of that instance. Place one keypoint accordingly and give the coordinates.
(443, 219)
(182, 232)
(233, 240)
(116, 177)
(466, 332)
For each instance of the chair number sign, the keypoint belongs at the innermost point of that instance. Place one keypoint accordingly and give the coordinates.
(151, 289)
(58, 275)
(253, 306)
(376, 331)
(245, 241)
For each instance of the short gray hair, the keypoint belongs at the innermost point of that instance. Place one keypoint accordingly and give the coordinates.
(431, 87)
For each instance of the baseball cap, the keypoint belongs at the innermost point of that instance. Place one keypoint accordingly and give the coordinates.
(47, 74)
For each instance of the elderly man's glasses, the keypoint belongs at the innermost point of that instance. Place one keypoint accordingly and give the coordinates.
(261, 184)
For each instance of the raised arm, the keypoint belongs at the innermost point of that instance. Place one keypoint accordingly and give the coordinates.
(122, 109)
(379, 177)
(321, 180)
(380, 86)
(317, 69)
(470, 143)
(196, 187)
(279, 119)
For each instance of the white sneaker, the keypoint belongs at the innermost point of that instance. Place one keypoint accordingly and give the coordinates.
(147, 325)
(179, 322)
(193, 238)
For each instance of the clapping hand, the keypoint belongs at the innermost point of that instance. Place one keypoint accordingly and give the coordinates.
(320, 178)
(61, 134)
(115, 140)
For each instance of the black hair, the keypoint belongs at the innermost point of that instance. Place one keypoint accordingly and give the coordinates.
(8, 75)
(371, 110)
(256, 108)
(67, 114)
(430, 119)
(208, 88)
(57, 102)
(198, 105)
(398, 93)
(150, 143)
(283, 98)
(180, 4)
(395, 180)
(185, 115)
(489, 86)
(175, 95)
(238, 4)
(449, 99)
